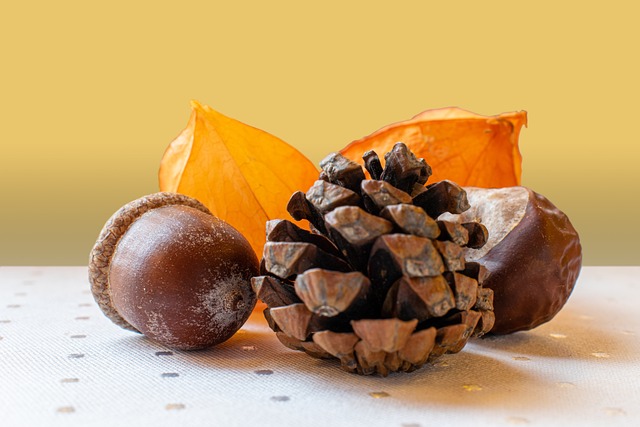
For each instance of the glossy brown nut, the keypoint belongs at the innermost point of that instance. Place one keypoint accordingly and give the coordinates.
(165, 266)
(533, 255)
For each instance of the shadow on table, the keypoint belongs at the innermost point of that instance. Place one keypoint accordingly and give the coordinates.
(480, 375)
(572, 334)
(463, 379)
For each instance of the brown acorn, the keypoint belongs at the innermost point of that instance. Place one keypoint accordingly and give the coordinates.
(164, 266)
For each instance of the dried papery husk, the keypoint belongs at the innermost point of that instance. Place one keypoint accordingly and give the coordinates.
(230, 167)
(467, 148)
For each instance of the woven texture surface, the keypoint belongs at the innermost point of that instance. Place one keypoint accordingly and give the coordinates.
(62, 362)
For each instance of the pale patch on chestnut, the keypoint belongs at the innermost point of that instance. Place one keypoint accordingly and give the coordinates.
(498, 209)
(533, 254)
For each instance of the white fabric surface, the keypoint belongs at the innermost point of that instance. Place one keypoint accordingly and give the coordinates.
(62, 363)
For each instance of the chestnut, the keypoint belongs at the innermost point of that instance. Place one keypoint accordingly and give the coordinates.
(164, 266)
(533, 254)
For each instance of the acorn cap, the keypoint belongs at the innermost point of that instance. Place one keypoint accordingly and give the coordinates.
(116, 227)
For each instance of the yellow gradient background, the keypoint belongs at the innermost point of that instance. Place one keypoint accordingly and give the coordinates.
(92, 93)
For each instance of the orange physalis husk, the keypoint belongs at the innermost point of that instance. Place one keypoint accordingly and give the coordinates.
(244, 175)
(464, 147)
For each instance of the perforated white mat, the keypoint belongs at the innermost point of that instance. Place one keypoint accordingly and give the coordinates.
(62, 363)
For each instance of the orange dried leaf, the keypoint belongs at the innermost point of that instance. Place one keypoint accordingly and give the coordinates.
(244, 175)
(464, 147)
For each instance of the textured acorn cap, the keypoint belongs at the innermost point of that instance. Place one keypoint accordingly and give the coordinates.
(105, 246)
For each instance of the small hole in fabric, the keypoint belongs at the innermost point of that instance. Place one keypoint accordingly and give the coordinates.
(264, 372)
(566, 385)
(174, 406)
(280, 398)
(379, 394)
(517, 421)
(169, 375)
(76, 356)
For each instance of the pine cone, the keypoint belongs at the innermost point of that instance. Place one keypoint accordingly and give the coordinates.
(379, 282)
